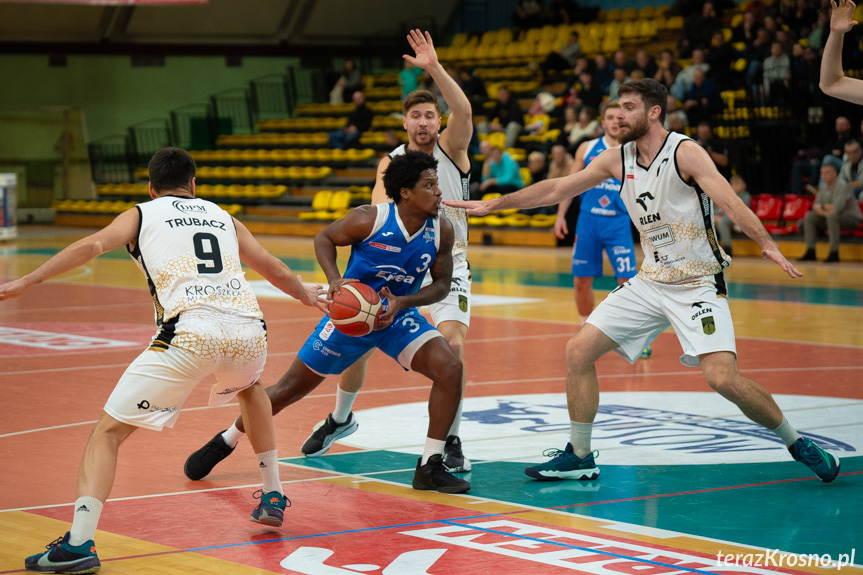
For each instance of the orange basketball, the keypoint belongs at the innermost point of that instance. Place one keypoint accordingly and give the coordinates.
(355, 310)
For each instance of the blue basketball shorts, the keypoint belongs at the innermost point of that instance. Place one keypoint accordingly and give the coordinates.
(595, 233)
(329, 351)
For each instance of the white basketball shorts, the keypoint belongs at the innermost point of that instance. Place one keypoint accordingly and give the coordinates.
(634, 314)
(156, 384)
(456, 305)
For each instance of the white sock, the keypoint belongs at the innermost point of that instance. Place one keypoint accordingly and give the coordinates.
(579, 437)
(344, 403)
(84, 521)
(433, 447)
(232, 436)
(453, 430)
(786, 433)
(268, 463)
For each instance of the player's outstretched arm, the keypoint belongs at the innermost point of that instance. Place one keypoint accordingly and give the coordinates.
(274, 270)
(549, 192)
(694, 162)
(833, 80)
(459, 128)
(123, 230)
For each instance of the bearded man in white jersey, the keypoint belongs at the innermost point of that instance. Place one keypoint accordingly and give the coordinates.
(422, 121)
(669, 185)
(209, 323)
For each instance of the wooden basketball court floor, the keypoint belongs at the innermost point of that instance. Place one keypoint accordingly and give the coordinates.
(685, 477)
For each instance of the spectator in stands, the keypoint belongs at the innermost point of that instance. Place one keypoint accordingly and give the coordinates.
(676, 119)
(562, 58)
(702, 100)
(698, 30)
(537, 167)
(561, 162)
(507, 116)
(500, 173)
(619, 60)
(747, 30)
(474, 88)
(349, 82)
(620, 78)
(646, 63)
(683, 82)
(359, 121)
(527, 14)
(852, 167)
(586, 128)
(809, 161)
(409, 78)
(585, 92)
(755, 54)
(716, 148)
(668, 69)
(820, 30)
(835, 209)
(724, 225)
(603, 72)
(720, 57)
(561, 12)
(391, 139)
(776, 76)
(797, 14)
(805, 75)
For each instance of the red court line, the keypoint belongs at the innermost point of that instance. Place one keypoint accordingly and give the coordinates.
(726, 488)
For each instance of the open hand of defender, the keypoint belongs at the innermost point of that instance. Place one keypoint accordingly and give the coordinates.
(472, 207)
(313, 296)
(775, 256)
(840, 19)
(426, 57)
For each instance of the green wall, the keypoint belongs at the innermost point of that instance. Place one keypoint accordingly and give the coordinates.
(113, 95)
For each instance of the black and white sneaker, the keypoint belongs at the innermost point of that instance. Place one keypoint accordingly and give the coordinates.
(324, 436)
(202, 462)
(453, 458)
(433, 476)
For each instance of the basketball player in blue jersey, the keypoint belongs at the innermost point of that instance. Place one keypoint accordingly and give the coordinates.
(603, 223)
(209, 323)
(408, 236)
(422, 121)
(669, 186)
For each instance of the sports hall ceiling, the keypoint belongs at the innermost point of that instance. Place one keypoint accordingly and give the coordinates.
(264, 26)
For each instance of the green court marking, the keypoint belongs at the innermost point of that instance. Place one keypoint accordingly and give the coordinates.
(356, 462)
(770, 505)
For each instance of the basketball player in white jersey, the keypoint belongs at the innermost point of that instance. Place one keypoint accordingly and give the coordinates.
(208, 322)
(422, 121)
(834, 82)
(669, 184)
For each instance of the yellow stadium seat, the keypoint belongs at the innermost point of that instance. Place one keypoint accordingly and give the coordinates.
(525, 176)
(542, 221)
(517, 220)
(322, 200)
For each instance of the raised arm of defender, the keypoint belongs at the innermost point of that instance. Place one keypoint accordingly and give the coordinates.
(551, 192)
(833, 80)
(456, 138)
